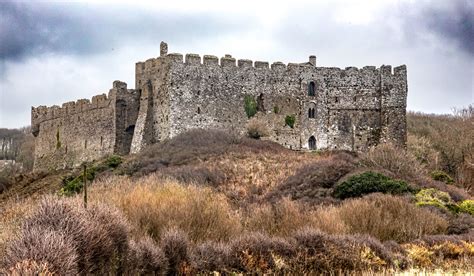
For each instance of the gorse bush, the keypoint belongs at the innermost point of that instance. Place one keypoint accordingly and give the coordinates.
(441, 176)
(467, 206)
(369, 182)
(436, 198)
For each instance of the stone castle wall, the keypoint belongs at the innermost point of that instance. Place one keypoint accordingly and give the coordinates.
(83, 130)
(354, 108)
(350, 109)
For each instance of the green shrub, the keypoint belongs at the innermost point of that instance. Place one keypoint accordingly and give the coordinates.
(467, 206)
(276, 109)
(290, 120)
(250, 106)
(113, 161)
(436, 198)
(369, 182)
(442, 176)
(73, 184)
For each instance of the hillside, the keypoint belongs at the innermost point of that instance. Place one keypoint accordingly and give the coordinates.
(207, 201)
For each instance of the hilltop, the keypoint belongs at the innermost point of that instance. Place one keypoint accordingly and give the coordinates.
(210, 201)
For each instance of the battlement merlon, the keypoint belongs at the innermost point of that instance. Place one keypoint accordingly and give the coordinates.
(43, 113)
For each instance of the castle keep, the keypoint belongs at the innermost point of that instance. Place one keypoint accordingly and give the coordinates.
(349, 109)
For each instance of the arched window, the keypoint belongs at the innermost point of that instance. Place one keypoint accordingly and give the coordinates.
(311, 88)
(312, 143)
(311, 113)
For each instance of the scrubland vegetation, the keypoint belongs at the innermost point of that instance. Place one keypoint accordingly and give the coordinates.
(208, 201)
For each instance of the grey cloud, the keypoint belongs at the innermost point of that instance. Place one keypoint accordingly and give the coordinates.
(452, 21)
(71, 28)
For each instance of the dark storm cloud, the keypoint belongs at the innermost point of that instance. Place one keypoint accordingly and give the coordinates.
(452, 21)
(29, 29)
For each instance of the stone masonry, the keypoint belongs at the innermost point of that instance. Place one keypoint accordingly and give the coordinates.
(349, 109)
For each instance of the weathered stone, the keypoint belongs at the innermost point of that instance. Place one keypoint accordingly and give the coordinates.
(349, 109)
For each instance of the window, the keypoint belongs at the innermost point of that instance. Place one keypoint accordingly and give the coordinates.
(311, 88)
(311, 113)
(312, 143)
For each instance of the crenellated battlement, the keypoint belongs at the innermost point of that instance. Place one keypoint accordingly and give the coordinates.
(347, 108)
(230, 62)
(44, 113)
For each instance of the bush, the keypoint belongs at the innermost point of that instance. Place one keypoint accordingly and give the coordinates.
(313, 182)
(436, 198)
(213, 256)
(257, 129)
(250, 106)
(388, 217)
(36, 245)
(322, 253)
(113, 161)
(460, 224)
(423, 150)
(467, 206)
(99, 234)
(145, 257)
(400, 163)
(29, 267)
(290, 120)
(175, 246)
(256, 252)
(369, 182)
(441, 176)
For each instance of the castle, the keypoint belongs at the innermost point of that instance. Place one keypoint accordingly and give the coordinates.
(333, 108)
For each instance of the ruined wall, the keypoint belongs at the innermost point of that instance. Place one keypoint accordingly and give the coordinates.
(78, 131)
(353, 108)
(350, 109)
(153, 119)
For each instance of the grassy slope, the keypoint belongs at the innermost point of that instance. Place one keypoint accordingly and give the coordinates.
(246, 172)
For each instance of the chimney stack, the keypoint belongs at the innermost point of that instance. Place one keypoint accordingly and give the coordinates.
(312, 60)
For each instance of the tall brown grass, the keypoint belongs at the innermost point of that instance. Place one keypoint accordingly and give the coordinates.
(155, 205)
(388, 217)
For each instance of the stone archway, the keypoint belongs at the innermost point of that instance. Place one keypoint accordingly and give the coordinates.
(312, 143)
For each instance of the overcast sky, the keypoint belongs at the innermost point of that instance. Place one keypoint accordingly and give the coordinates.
(51, 53)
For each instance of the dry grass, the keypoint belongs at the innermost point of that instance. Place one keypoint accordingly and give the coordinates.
(388, 217)
(154, 205)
